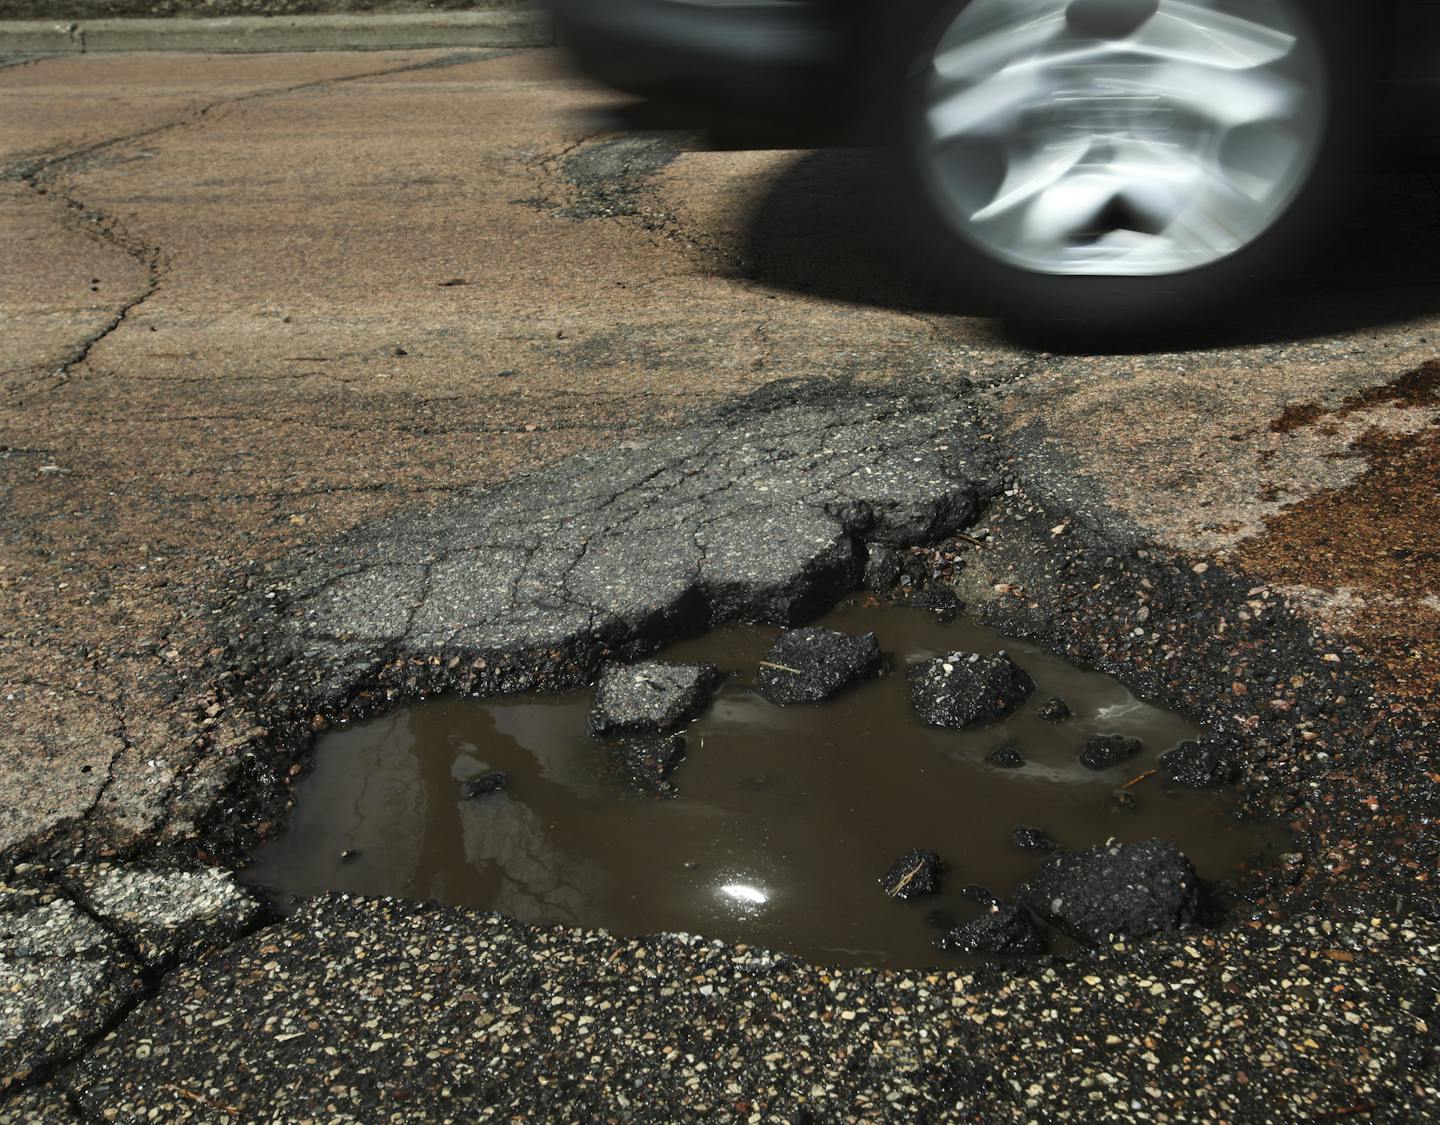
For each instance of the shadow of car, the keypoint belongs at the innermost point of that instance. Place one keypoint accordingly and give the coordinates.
(1099, 166)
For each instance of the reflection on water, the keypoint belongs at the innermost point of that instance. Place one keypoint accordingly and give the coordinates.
(785, 819)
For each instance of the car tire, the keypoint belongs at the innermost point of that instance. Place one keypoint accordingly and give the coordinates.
(1167, 176)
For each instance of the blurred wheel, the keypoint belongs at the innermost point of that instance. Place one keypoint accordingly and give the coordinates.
(1107, 162)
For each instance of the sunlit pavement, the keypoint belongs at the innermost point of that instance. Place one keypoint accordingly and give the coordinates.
(253, 302)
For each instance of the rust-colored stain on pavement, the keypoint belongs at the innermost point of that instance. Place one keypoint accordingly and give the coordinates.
(1376, 540)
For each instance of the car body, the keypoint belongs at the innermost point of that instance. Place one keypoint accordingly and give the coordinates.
(821, 62)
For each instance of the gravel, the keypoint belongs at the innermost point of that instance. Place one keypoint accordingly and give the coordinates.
(361, 1010)
(37, 1104)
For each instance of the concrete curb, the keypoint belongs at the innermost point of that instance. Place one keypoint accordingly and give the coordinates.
(281, 33)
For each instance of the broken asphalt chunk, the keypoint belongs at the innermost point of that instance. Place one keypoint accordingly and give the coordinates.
(964, 689)
(812, 664)
(650, 697)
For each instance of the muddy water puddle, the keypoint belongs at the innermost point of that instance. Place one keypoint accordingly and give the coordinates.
(784, 817)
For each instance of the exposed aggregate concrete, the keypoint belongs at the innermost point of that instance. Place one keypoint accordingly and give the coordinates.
(37, 1104)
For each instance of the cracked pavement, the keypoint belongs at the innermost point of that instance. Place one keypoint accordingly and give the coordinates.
(277, 319)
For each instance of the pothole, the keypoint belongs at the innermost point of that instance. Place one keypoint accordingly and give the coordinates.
(775, 827)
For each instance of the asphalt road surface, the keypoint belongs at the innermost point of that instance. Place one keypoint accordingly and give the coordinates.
(261, 314)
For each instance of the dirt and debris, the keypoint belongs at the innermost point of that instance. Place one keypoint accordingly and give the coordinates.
(1368, 551)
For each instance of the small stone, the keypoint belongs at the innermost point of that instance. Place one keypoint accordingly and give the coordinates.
(1123, 800)
(1028, 838)
(1004, 928)
(965, 688)
(1006, 755)
(812, 664)
(1101, 751)
(1205, 763)
(492, 782)
(1054, 710)
(975, 893)
(349, 855)
(654, 696)
(915, 873)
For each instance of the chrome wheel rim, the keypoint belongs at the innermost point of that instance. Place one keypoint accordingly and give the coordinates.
(1120, 137)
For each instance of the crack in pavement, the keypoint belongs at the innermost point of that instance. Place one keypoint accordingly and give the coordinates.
(83, 947)
(763, 510)
(42, 175)
(628, 537)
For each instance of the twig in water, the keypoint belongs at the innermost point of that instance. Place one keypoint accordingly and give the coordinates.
(781, 667)
(909, 875)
